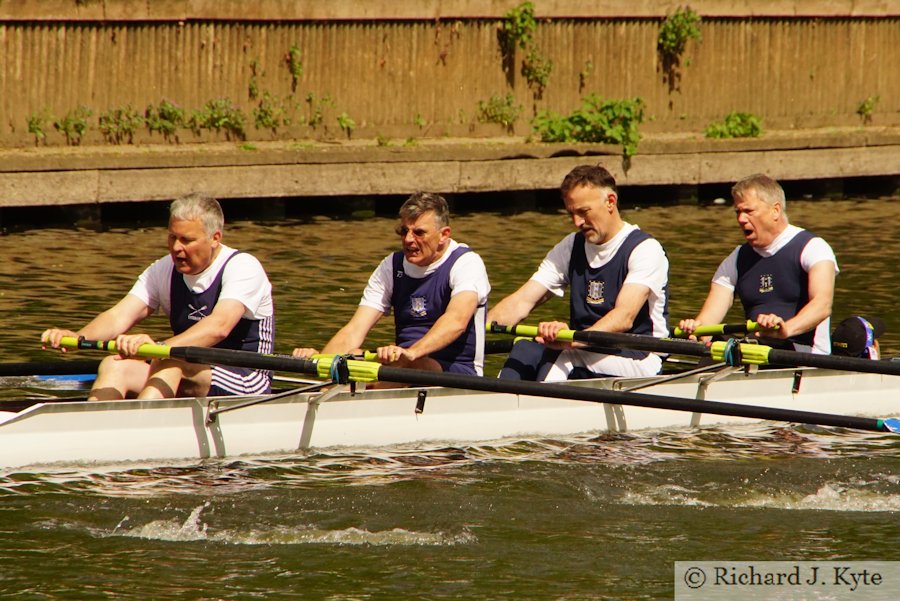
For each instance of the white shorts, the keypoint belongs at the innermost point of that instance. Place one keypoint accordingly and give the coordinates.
(610, 365)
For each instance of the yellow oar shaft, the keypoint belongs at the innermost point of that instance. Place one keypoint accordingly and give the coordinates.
(150, 351)
(720, 329)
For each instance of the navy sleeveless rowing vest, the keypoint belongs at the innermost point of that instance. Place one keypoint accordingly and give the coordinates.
(594, 290)
(419, 302)
(776, 284)
(189, 307)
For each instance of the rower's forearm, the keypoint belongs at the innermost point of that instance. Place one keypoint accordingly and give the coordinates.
(808, 318)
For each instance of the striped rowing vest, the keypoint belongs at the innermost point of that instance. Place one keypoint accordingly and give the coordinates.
(189, 307)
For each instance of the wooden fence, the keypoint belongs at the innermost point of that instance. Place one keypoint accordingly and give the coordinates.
(406, 69)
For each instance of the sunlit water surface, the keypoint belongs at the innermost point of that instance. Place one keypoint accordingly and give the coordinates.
(590, 517)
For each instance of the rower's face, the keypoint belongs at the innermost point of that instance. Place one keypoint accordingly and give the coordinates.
(591, 210)
(191, 248)
(759, 221)
(423, 240)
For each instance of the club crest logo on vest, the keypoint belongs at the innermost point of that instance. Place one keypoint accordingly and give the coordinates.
(197, 314)
(766, 283)
(417, 306)
(595, 292)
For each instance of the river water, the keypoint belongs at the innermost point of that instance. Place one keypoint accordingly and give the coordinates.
(589, 517)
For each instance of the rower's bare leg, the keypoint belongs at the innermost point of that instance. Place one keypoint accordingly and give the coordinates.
(196, 380)
(119, 378)
(168, 378)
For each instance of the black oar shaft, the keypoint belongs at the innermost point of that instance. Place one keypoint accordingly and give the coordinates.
(792, 358)
(768, 355)
(50, 368)
(251, 360)
(562, 391)
(597, 395)
(620, 340)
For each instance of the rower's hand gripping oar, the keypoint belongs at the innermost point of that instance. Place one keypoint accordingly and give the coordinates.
(364, 371)
(721, 329)
(730, 351)
(322, 366)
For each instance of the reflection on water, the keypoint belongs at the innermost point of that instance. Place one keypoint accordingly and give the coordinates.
(319, 266)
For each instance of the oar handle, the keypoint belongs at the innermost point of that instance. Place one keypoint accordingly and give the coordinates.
(320, 365)
(714, 329)
(614, 340)
(149, 351)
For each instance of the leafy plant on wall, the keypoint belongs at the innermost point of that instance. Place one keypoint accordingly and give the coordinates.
(674, 34)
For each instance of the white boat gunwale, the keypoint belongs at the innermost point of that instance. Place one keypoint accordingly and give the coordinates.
(138, 430)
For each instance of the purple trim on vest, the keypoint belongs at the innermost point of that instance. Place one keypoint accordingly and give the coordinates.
(189, 307)
(419, 302)
(594, 290)
(776, 284)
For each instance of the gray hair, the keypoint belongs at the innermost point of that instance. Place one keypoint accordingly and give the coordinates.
(203, 208)
(422, 202)
(767, 189)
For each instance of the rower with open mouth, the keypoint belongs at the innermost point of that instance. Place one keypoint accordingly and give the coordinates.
(214, 295)
(437, 289)
(784, 275)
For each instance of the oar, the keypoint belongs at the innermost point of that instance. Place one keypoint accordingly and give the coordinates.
(49, 368)
(715, 329)
(157, 351)
(734, 354)
(365, 371)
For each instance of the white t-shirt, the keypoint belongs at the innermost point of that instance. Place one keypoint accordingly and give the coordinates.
(244, 280)
(467, 274)
(647, 266)
(815, 251)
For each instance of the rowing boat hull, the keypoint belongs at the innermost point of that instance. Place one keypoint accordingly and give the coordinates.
(176, 429)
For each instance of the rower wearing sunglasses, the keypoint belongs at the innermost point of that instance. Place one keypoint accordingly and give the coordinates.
(437, 289)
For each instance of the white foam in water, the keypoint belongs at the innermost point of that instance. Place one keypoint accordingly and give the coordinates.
(832, 497)
(192, 529)
(665, 495)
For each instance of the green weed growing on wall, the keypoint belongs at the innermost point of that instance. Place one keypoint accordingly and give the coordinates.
(317, 108)
(674, 34)
(218, 115)
(346, 124)
(866, 108)
(38, 122)
(253, 84)
(295, 66)
(502, 110)
(164, 119)
(517, 31)
(597, 120)
(735, 125)
(269, 113)
(119, 124)
(74, 124)
(517, 28)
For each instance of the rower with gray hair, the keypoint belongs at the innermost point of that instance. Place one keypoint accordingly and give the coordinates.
(213, 295)
(437, 289)
(784, 275)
